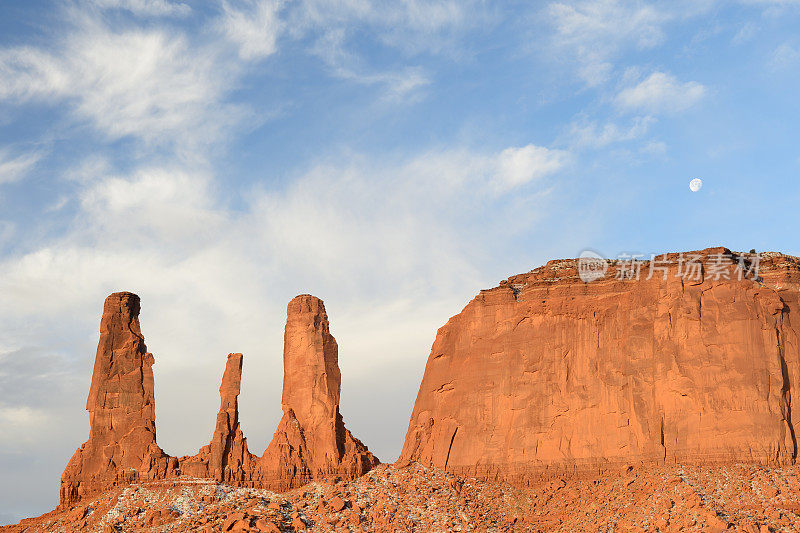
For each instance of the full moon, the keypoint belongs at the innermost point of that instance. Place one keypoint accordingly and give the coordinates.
(696, 184)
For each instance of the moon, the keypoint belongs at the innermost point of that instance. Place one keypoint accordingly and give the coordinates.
(695, 185)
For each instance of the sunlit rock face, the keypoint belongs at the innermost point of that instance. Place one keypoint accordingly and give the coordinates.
(122, 438)
(311, 442)
(549, 373)
(226, 458)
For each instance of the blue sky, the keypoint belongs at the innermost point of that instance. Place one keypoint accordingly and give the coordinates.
(393, 158)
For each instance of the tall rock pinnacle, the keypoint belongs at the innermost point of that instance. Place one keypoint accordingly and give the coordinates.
(226, 458)
(311, 441)
(121, 404)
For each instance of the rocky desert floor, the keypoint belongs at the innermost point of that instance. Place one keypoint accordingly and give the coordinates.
(736, 497)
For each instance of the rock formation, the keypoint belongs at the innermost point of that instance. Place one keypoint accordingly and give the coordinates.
(122, 439)
(311, 441)
(226, 458)
(549, 373)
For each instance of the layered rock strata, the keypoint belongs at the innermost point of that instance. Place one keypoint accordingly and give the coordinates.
(694, 358)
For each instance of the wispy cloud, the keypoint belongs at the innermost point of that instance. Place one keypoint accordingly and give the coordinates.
(784, 56)
(253, 25)
(520, 166)
(161, 86)
(372, 219)
(661, 92)
(146, 7)
(593, 36)
(595, 32)
(414, 26)
(746, 33)
(771, 3)
(20, 425)
(406, 238)
(583, 133)
(397, 85)
(15, 166)
(148, 84)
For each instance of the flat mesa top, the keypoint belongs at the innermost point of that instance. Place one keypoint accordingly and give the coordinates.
(774, 269)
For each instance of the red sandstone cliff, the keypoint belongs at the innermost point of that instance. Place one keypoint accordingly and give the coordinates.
(311, 442)
(548, 372)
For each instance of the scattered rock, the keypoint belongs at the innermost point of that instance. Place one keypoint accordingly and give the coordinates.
(337, 504)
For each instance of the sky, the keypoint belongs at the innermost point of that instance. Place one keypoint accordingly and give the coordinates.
(393, 158)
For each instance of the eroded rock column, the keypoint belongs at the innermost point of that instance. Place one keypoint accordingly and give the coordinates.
(121, 404)
(226, 458)
(311, 441)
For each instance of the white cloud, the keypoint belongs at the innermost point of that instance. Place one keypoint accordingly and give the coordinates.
(7, 230)
(253, 25)
(143, 83)
(595, 32)
(155, 84)
(593, 35)
(171, 203)
(397, 85)
(783, 57)
(592, 135)
(414, 26)
(147, 7)
(518, 166)
(28, 73)
(654, 148)
(771, 3)
(661, 93)
(400, 85)
(746, 33)
(20, 425)
(409, 240)
(15, 167)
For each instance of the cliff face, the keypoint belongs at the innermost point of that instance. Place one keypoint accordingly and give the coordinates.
(697, 359)
(122, 438)
(549, 372)
(311, 442)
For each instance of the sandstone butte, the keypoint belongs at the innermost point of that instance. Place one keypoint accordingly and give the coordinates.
(311, 442)
(544, 377)
(547, 374)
